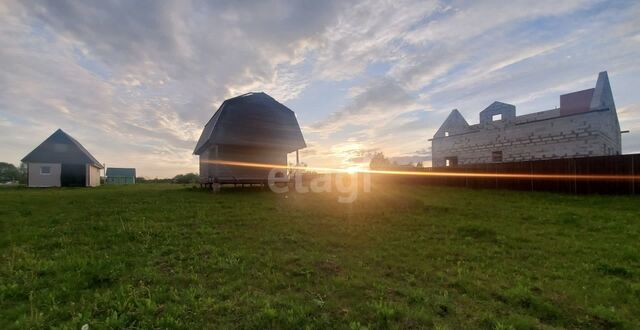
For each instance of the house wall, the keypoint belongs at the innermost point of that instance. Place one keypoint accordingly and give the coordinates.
(121, 180)
(240, 154)
(93, 176)
(594, 133)
(44, 180)
(205, 167)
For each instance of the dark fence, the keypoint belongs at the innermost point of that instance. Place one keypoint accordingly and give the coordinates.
(602, 175)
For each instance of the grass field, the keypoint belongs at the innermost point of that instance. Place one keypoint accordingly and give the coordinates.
(169, 256)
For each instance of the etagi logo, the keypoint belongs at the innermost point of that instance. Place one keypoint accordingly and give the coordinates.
(346, 184)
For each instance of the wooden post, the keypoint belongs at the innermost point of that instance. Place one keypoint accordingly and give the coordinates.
(297, 158)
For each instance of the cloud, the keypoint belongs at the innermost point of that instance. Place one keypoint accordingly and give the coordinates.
(464, 20)
(135, 81)
(367, 32)
(380, 99)
(147, 74)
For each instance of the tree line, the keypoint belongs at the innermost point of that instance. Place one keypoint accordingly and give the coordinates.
(11, 173)
(180, 178)
(380, 162)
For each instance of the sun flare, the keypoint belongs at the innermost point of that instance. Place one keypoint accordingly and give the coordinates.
(353, 169)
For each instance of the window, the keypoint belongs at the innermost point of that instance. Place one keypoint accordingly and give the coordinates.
(45, 170)
(496, 117)
(496, 156)
(446, 133)
(451, 161)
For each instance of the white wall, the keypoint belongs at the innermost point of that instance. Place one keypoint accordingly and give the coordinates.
(44, 180)
(593, 133)
(93, 176)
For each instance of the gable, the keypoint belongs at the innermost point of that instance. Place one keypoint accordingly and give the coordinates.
(602, 95)
(505, 110)
(61, 148)
(454, 124)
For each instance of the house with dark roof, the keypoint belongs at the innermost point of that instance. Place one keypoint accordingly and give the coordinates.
(62, 161)
(120, 175)
(250, 128)
(585, 125)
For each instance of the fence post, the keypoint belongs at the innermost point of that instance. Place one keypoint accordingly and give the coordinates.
(531, 173)
(466, 178)
(575, 178)
(633, 176)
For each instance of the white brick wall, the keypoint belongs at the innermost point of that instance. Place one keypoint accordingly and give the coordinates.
(530, 137)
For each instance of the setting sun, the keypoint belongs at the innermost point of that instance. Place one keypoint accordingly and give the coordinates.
(353, 169)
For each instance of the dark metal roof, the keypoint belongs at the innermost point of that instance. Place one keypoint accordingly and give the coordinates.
(119, 171)
(60, 147)
(254, 119)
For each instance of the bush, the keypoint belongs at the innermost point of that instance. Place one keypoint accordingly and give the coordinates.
(186, 178)
(9, 173)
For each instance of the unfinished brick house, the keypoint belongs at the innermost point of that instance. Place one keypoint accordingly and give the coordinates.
(586, 124)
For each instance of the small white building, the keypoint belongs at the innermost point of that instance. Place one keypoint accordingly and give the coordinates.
(585, 125)
(62, 161)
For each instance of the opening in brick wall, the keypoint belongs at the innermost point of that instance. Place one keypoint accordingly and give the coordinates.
(451, 161)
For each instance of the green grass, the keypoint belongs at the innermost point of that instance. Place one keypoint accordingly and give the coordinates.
(169, 256)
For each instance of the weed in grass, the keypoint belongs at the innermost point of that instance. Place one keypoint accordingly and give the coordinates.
(618, 271)
(478, 233)
(605, 317)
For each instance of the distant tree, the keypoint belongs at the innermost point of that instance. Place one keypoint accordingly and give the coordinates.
(8, 172)
(24, 173)
(141, 179)
(157, 180)
(378, 161)
(186, 178)
(419, 164)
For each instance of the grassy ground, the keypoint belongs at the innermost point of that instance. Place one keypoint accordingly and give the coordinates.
(169, 256)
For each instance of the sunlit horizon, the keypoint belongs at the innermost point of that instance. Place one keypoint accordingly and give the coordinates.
(451, 172)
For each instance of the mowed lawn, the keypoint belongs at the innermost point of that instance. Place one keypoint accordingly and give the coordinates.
(170, 256)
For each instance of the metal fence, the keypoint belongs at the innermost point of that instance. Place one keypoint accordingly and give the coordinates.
(602, 175)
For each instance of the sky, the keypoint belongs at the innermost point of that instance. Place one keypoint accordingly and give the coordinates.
(136, 81)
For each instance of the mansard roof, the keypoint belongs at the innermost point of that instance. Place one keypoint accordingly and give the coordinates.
(253, 119)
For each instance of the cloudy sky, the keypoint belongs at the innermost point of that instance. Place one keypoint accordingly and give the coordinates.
(135, 81)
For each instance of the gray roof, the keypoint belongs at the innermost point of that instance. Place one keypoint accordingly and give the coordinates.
(119, 171)
(60, 147)
(254, 119)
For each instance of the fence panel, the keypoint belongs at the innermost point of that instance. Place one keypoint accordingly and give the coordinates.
(569, 175)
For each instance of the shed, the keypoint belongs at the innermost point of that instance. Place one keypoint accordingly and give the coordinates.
(120, 175)
(62, 161)
(250, 128)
